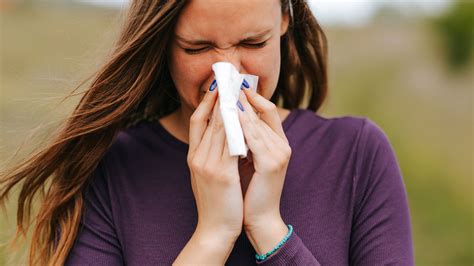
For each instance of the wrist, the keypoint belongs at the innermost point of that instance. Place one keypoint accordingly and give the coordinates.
(265, 235)
(221, 236)
(206, 248)
(218, 241)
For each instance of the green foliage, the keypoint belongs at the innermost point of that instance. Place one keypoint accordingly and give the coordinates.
(456, 30)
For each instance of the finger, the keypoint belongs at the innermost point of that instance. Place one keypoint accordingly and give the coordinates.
(202, 151)
(249, 122)
(218, 139)
(276, 142)
(267, 110)
(225, 151)
(257, 124)
(199, 119)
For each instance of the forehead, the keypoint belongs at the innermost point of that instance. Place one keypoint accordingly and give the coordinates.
(217, 19)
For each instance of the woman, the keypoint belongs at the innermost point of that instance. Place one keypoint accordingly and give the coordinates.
(141, 174)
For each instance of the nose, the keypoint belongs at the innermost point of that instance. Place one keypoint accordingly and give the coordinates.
(231, 55)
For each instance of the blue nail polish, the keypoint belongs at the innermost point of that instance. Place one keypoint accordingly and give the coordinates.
(213, 85)
(240, 106)
(246, 84)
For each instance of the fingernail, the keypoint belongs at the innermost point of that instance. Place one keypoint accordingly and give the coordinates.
(213, 85)
(246, 84)
(240, 106)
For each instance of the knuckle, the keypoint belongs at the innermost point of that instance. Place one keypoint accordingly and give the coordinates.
(253, 119)
(194, 164)
(279, 162)
(208, 171)
(218, 123)
(244, 119)
(280, 165)
(225, 180)
(217, 128)
(274, 165)
(269, 107)
(195, 118)
(211, 173)
(287, 151)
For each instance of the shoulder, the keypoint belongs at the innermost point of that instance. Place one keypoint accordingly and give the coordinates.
(346, 125)
(124, 142)
(307, 124)
(375, 150)
(125, 153)
(351, 133)
(130, 141)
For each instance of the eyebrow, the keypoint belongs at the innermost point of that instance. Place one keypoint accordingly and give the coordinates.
(199, 42)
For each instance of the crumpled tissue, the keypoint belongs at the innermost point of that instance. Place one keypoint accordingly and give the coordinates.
(229, 82)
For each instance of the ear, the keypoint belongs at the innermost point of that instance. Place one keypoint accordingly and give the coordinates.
(285, 21)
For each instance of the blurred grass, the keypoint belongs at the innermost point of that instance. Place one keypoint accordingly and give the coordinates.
(45, 51)
(393, 73)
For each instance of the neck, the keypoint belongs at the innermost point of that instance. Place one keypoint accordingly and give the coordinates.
(182, 117)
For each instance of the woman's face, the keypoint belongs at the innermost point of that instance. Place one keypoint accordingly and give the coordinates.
(244, 33)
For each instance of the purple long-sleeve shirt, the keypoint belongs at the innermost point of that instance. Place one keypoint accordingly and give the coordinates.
(343, 194)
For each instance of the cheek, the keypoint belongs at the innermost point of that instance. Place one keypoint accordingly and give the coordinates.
(266, 65)
(189, 75)
(187, 69)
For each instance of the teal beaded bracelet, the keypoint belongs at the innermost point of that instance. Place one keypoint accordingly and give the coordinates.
(266, 255)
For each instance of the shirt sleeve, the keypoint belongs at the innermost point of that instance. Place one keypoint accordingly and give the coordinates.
(381, 230)
(292, 252)
(96, 242)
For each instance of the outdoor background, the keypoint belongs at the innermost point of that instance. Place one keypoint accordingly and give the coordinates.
(408, 66)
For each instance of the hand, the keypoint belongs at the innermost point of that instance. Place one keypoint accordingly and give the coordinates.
(214, 173)
(271, 153)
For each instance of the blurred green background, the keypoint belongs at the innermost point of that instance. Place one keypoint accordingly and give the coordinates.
(412, 75)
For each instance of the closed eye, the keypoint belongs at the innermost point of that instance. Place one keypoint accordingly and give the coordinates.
(257, 45)
(253, 45)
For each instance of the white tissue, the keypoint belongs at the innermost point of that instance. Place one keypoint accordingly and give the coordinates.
(229, 81)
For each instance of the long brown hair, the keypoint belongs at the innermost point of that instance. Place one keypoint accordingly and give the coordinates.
(134, 84)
